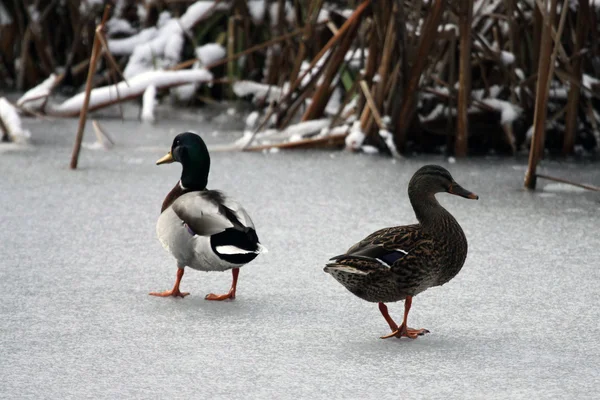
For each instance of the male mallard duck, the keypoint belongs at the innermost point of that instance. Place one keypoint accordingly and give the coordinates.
(203, 229)
(400, 262)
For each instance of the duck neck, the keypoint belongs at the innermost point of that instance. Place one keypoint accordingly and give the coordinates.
(431, 215)
(193, 179)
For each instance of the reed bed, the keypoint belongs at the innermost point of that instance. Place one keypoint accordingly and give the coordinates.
(459, 77)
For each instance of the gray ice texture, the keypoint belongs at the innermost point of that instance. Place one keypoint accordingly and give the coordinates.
(79, 255)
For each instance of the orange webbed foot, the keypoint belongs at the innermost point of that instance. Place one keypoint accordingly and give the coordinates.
(220, 297)
(167, 293)
(231, 294)
(403, 331)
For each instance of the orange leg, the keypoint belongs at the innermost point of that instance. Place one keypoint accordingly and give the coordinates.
(175, 291)
(384, 311)
(231, 295)
(403, 330)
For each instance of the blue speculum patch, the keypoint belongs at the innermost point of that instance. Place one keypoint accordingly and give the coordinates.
(189, 229)
(392, 257)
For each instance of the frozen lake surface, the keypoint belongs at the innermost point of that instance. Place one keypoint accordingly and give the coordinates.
(79, 255)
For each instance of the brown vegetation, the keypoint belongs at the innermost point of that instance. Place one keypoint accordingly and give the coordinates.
(462, 76)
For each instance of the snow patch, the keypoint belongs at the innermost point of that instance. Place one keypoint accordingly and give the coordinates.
(116, 26)
(5, 17)
(34, 14)
(305, 128)
(507, 58)
(35, 97)
(529, 133)
(164, 49)
(125, 46)
(368, 149)
(589, 82)
(209, 53)
(388, 138)
(508, 111)
(356, 137)
(252, 120)
(137, 85)
(520, 74)
(563, 187)
(257, 9)
(148, 101)
(12, 122)
(449, 28)
(260, 91)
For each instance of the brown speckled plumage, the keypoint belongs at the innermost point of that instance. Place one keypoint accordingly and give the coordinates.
(394, 263)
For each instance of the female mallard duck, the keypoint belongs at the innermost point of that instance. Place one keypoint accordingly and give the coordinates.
(400, 262)
(203, 229)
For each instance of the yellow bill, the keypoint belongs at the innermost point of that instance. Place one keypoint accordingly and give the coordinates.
(167, 159)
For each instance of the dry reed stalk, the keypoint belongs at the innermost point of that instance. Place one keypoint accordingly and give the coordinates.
(102, 136)
(595, 42)
(387, 58)
(556, 36)
(401, 44)
(77, 69)
(372, 105)
(349, 22)
(245, 32)
(231, 51)
(25, 62)
(110, 58)
(464, 76)
(88, 88)
(575, 90)
(46, 61)
(325, 141)
(313, 13)
(370, 68)
(285, 115)
(392, 84)
(543, 84)
(114, 67)
(451, 100)
(291, 110)
(514, 46)
(428, 35)
(323, 92)
(510, 136)
(260, 46)
(403, 41)
(557, 46)
(413, 38)
(538, 24)
(276, 59)
(445, 96)
(581, 185)
(347, 98)
(380, 59)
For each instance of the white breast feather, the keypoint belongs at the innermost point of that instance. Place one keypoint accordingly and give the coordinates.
(195, 251)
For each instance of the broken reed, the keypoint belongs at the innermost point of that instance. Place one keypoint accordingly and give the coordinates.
(407, 50)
